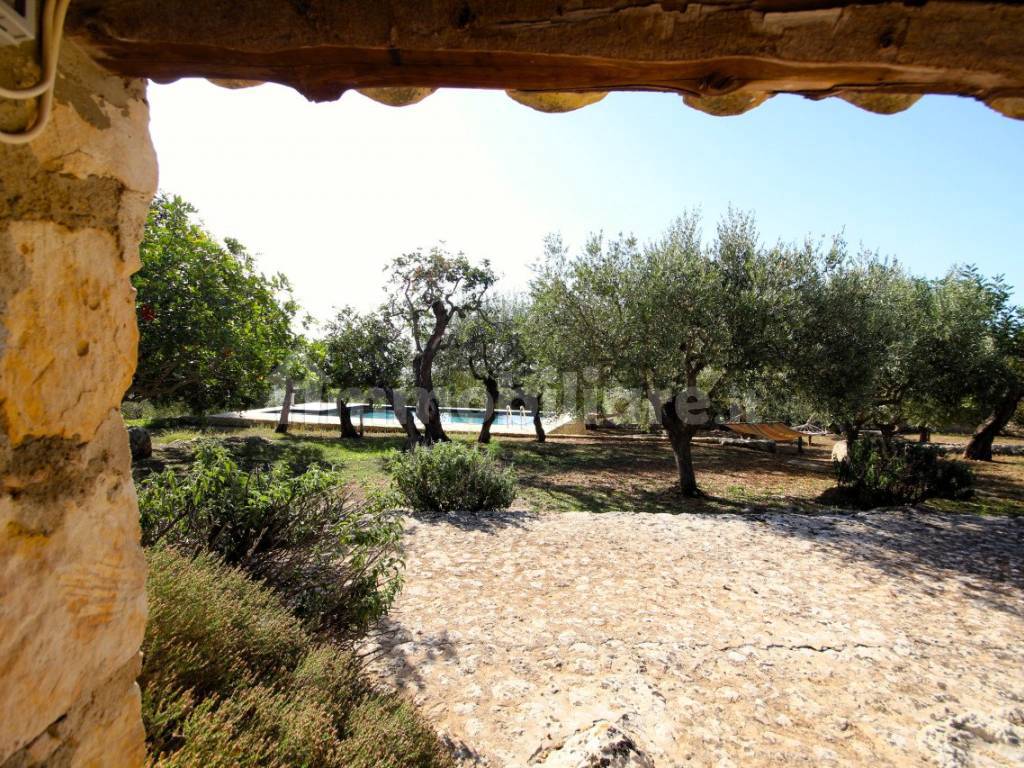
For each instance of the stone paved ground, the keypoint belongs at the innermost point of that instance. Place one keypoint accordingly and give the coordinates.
(779, 639)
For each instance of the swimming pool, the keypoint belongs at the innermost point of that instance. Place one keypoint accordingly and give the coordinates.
(386, 413)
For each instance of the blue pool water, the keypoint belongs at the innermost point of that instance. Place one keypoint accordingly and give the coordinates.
(448, 415)
(385, 413)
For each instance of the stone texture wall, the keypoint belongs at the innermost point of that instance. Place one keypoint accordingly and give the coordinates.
(72, 596)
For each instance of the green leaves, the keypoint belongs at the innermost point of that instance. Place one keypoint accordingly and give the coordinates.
(211, 327)
(363, 350)
(877, 346)
(336, 563)
(875, 475)
(435, 287)
(451, 477)
(490, 343)
(662, 315)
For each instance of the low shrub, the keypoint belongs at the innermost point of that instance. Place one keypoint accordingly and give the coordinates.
(301, 457)
(335, 563)
(450, 477)
(231, 678)
(875, 474)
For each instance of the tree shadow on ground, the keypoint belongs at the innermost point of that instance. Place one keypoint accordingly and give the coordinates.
(639, 475)
(392, 650)
(985, 555)
(363, 445)
(171, 456)
(392, 645)
(483, 522)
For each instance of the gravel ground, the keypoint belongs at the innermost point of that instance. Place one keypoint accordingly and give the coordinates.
(890, 638)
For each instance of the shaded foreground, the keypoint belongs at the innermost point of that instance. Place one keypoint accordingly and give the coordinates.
(772, 638)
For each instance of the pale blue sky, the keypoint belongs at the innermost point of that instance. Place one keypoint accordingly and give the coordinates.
(327, 193)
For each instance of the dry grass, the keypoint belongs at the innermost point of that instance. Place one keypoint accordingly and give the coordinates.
(615, 472)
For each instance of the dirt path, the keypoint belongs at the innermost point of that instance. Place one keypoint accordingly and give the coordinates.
(873, 639)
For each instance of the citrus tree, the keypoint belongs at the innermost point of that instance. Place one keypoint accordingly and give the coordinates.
(212, 327)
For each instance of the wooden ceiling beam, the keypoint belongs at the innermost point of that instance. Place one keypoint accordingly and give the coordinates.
(723, 55)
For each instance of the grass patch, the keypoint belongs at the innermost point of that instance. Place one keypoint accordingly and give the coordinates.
(361, 461)
(637, 474)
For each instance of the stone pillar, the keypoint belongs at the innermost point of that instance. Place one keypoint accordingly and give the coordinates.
(72, 573)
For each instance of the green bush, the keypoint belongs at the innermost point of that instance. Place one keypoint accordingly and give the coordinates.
(335, 563)
(301, 457)
(450, 477)
(230, 678)
(877, 475)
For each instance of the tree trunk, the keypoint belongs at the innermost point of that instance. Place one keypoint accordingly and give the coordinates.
(925, 435)
(888, 434)
(680, 435)
(286, 409)
(579, 401)
(423, 363)
(538, 426)
(435, 432)
(492, 410)
(345, 418)
(850, 432)
(412, 434)
(980, 446)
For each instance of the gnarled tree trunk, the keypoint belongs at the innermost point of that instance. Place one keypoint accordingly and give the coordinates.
(345, 419)
(980, 446)
(538, 425)
(286, 409)
(397, 403)
(680, 436)
(423, 365)
(492, 410)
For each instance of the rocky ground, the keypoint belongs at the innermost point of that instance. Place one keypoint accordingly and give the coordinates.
(775, 639)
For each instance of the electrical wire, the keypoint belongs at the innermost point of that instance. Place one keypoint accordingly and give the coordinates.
(54, 13)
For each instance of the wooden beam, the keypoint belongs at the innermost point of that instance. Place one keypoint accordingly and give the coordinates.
(724, 55)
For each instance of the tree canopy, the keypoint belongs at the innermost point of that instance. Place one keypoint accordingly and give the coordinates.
(877, 347)
(362, 352)
(856, 339)
(212, 328)
(489, 345)
(696, 328)
(673, 319)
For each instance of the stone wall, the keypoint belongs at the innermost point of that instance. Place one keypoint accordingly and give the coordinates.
(72, 592)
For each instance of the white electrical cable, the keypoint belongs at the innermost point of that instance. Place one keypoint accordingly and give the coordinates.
(53, 29)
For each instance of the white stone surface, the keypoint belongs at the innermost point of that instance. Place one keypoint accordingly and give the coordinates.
(724, 640)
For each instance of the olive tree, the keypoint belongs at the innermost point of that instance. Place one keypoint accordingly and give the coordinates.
(858, 339)
(876, 347)
(489, 345)
(539, 375)
(426, 292)
(675, 319)
(365, 352)
(977, 364)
